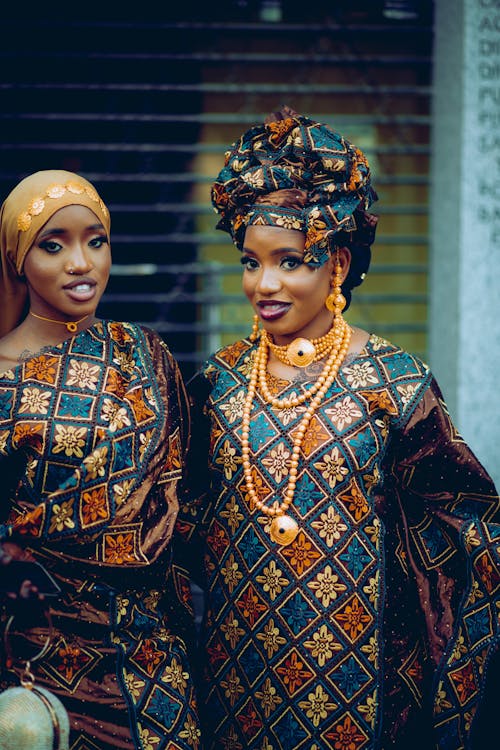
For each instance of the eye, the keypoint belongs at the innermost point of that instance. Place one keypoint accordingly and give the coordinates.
(98, 242)
(290, 262)
(51, 246)
(249, 264)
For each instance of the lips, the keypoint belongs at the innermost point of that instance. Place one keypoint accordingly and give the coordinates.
(81, 290)
(272, 309)
(85, 280)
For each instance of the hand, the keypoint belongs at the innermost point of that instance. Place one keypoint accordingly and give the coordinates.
(11, 551)
(25, 589)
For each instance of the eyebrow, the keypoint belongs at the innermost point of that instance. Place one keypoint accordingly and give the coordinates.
(277, 251)
(91, 228)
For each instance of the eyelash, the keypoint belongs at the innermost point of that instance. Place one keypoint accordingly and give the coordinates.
(50, 246)
(246, 261)
(296, 262)
(102, 240)
(250, 264)
(53, 247)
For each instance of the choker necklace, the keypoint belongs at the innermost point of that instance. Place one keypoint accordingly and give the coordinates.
(283, 528)
(71, 325)
(301, 352)
(339, 329)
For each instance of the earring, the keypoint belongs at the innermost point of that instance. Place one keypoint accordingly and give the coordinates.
(255, 329)
(335, 302)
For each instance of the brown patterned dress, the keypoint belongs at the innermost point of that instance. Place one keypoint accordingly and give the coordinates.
(92, 442)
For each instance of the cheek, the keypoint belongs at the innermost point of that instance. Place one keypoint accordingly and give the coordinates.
(247, 285)
(36, 273)
(312, 290)
(322, 284)
(103, 264)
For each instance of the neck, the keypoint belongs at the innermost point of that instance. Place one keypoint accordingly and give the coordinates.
(317, 330)
(302, 351)
(70, 325)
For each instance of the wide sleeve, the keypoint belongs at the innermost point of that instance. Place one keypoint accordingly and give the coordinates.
(119, 504)
(449, 510)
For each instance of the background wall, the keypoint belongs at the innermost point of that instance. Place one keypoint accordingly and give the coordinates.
(145, 106)
(464, 329)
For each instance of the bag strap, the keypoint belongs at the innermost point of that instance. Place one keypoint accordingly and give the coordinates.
(56, 730)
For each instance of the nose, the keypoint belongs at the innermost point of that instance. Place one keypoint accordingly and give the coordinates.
(268, 281)
(79, 260)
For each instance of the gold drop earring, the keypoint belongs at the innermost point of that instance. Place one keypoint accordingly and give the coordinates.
(255, 329)
(336, 302)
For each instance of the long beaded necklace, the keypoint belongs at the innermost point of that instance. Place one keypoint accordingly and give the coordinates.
(283, 528)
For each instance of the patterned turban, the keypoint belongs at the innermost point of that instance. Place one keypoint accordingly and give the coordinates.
(294, 152)
(24, 212)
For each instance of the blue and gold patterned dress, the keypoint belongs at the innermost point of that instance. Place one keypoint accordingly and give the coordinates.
(92, 443)
(373, 628)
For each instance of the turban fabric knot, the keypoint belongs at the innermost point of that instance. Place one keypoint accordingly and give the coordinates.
(296, 153)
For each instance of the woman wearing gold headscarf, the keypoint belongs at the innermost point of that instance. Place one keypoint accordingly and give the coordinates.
(93, 432)
(349, 536)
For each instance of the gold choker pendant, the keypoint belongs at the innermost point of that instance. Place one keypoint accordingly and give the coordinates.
(301, 352)
(71, 325)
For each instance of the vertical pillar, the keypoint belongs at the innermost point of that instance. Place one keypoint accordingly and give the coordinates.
(464, 320)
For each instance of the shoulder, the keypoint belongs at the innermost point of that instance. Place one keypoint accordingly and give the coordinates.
(125, 332)
(229, 366)
(230, 357)
(142, 339)
(396, 362)
(223, 371)
(388, 372)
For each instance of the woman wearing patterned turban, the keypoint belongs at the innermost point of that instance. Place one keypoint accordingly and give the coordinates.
(93, 431)
(347, 533)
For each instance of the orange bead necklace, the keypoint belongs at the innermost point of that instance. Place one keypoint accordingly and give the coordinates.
(283, 528)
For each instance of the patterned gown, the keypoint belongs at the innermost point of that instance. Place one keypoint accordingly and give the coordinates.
(374, 627)
(92, 443)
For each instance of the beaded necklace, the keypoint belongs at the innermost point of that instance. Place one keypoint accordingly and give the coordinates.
(283, 528)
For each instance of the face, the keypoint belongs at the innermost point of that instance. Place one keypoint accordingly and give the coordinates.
(287, 295)
(67, 267)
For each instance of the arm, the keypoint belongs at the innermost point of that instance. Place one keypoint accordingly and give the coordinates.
(449, 512)
(433, 462)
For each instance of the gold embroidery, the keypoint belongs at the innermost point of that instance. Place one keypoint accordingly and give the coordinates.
(38, 204)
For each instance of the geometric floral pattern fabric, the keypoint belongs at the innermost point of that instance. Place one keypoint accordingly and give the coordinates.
(92, 438)
(325, 643)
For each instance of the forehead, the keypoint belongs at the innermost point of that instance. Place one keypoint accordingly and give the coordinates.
(267, 238)
(72, 216)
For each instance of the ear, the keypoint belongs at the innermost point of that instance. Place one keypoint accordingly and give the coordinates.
(344, 257)
(13, 268)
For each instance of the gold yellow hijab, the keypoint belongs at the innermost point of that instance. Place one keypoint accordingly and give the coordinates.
(24, 212)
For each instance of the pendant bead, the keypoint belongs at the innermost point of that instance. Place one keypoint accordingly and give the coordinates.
(301, 352)
(283, 530)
